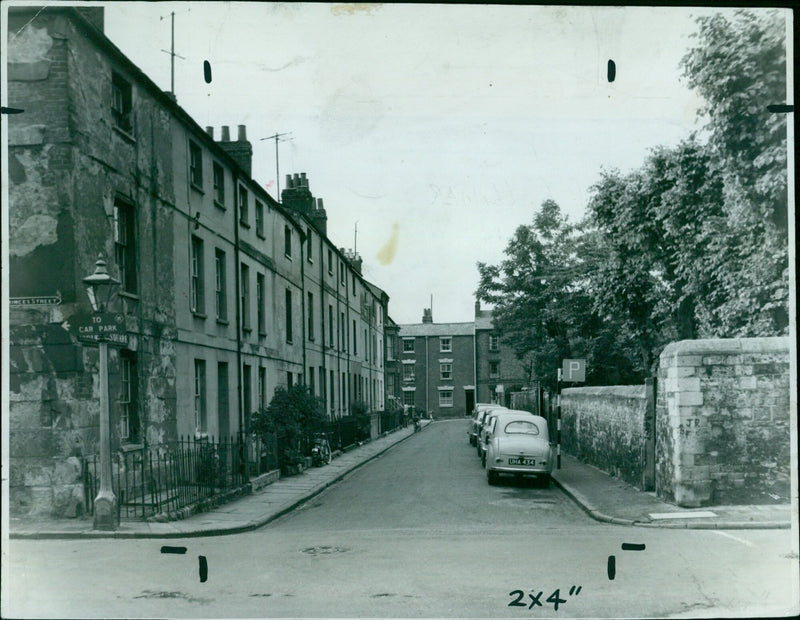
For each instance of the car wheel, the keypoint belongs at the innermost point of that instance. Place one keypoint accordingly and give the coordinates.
(544, 481)
(491, 477)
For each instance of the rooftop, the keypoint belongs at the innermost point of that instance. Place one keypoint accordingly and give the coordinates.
(437, 329)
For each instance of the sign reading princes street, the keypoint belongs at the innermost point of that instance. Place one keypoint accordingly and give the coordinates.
(107, 327)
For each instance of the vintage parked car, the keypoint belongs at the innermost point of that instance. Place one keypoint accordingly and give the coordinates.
(519, 445)
(488, 420)
(479, 412)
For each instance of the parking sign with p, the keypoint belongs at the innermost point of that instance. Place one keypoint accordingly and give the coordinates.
(574, 370)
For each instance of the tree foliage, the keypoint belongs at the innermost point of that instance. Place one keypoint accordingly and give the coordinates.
(739, 68)
(692, 244)
(542, 300)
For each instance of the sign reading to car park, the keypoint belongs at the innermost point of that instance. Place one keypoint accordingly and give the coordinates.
(107, 327)
(574, 370)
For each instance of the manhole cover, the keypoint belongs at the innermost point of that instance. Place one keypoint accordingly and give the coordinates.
(323, 550)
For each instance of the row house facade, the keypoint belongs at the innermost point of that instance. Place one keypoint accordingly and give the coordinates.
(226, 293)
(446, 368)
(437, 366)
(498, 372)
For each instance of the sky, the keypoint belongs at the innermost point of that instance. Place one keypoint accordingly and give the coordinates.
(434, 130)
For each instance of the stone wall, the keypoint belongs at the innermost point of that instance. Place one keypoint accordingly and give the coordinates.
(723, 422)
(604, 426)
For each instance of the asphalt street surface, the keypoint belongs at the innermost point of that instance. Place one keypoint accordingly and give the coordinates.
(417, 532)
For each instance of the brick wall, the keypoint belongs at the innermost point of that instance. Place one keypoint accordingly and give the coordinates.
(723, 422)
(604, 426)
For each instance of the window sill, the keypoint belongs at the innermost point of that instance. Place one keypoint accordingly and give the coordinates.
(219, 205)
(197, 188)
(223, 322)
(262, 334)
(290, 342)
(127, 295)
(260, 235)
(131, 447)
(124, 134)
(289, 256)
(199, 315)
(244, 224)
(247, 330)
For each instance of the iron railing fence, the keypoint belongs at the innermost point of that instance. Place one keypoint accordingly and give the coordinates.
(170, 476)
(390, 420)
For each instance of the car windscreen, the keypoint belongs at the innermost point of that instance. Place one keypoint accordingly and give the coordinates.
(521, 427)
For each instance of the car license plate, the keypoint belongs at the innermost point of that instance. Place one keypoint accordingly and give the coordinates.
(521, 460)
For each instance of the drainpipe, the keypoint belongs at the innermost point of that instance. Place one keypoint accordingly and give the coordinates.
(236, 275)
(325, 390)
(475, 363)
(303, 297)
(427, 363)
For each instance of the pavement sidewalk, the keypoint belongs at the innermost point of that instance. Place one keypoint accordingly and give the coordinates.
(247, 513)
(612, 500)
(603, 497)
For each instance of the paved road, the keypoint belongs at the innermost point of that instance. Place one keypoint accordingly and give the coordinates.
(418, 532)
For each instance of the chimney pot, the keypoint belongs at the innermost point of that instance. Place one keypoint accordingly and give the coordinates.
(288, 181)
(226, 134)
(296, 180)
(319, 204)
(242, 133)
(210, 131)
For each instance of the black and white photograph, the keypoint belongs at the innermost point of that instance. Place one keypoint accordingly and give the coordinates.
(527, 349)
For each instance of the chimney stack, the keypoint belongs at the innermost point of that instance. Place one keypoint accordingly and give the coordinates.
(319, 218)
(296, 195)
(427, 315)
(241, 150)
(210, 131)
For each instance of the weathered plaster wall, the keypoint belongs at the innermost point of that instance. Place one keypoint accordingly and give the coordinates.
(604, 426)
(66, 167)
(722, 421)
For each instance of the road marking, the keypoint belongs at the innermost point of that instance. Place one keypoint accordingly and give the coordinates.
(741, 540)
(698, 514)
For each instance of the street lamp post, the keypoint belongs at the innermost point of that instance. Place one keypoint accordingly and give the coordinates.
(100, 288)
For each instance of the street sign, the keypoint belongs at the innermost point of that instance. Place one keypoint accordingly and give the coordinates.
(46, 300)
(107, 327)
(574, 370)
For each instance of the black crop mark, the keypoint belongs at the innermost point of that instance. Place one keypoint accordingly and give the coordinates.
(167, 549)
(612, 70)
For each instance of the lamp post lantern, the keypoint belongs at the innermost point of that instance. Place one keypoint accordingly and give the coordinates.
(100, 287)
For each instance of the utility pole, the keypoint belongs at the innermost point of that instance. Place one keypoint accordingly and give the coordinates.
(277, 137)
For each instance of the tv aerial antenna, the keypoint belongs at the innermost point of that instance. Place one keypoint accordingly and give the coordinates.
(171, 52)
(278, 137)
